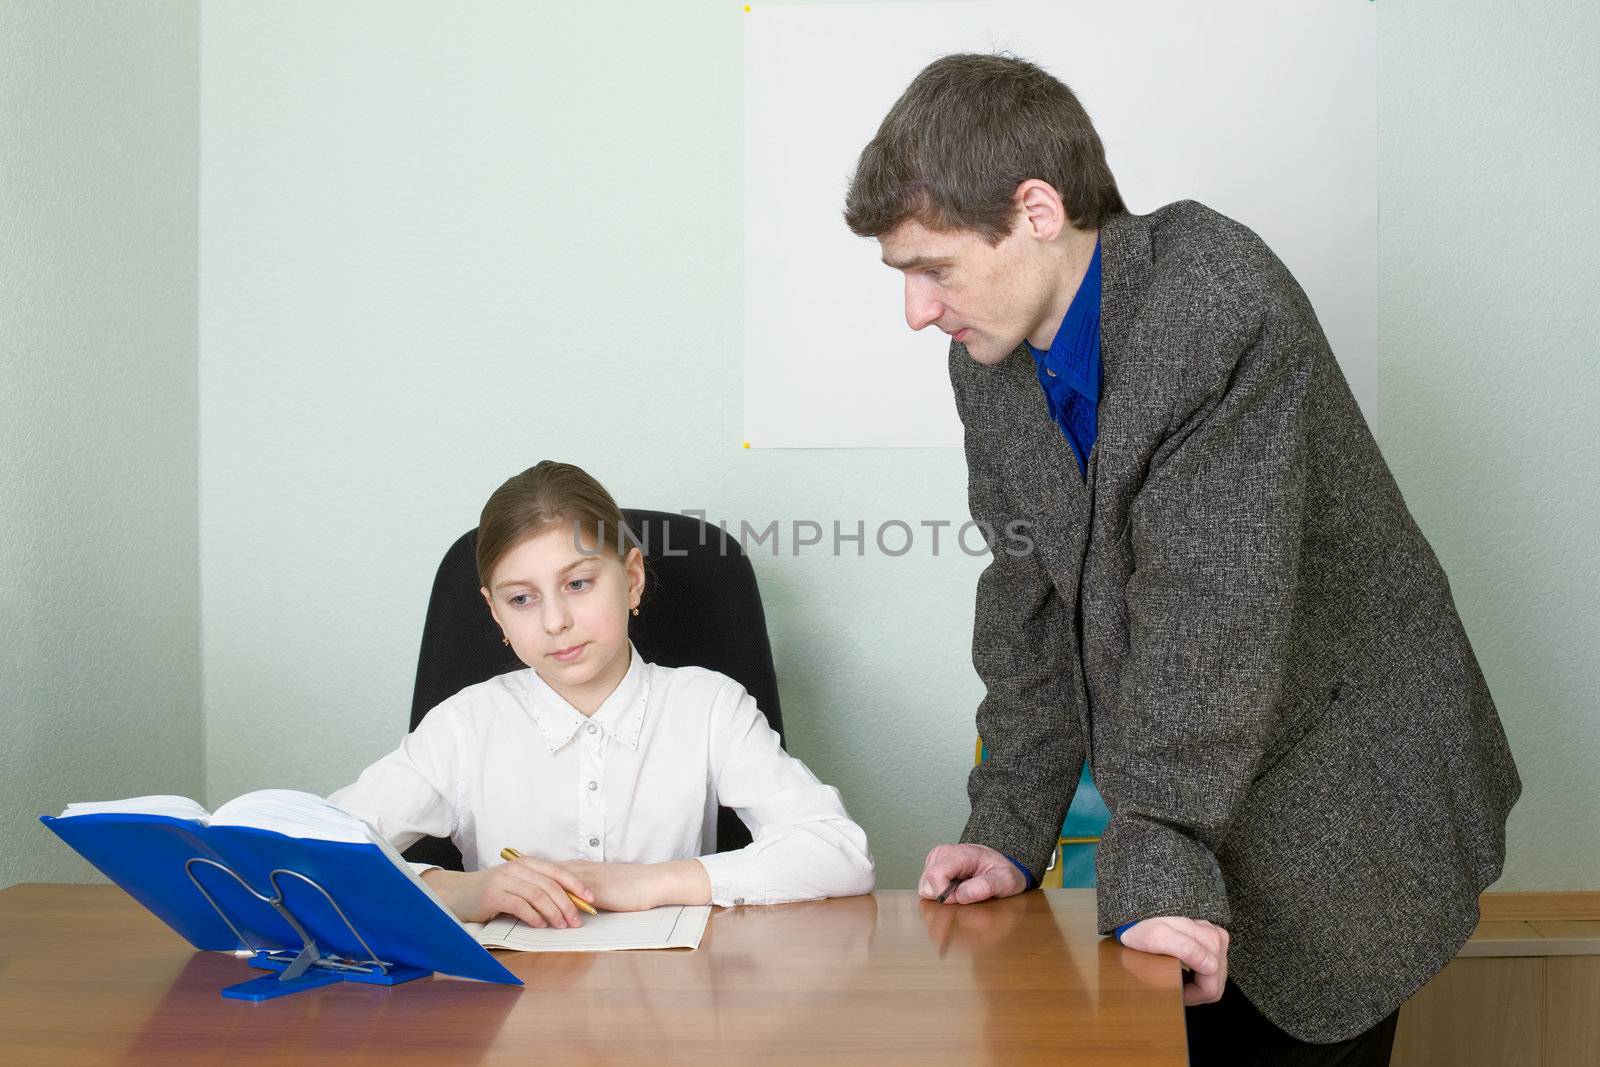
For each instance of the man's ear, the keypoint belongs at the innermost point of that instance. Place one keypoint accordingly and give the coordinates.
(1040, 209)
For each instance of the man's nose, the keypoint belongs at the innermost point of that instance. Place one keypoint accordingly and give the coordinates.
(921, 309)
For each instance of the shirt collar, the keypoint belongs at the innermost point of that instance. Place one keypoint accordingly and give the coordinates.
(1072, 353)
(621, 716)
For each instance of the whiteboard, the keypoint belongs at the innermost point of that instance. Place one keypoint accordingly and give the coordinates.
(1263, 110)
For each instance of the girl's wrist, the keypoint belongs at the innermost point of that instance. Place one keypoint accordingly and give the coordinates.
(684, 882)
(436, 879)
(445, 885)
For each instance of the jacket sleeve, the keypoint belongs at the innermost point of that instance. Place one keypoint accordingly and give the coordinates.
(1214, 533)
(1023, 648)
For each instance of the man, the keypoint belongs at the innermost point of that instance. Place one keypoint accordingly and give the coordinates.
(1226, 608)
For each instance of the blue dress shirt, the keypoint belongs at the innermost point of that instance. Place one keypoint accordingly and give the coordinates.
(1069, 373)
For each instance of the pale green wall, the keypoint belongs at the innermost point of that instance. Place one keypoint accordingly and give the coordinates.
(99, 593)
(437, 249)
(1489, 372)
(434, 249)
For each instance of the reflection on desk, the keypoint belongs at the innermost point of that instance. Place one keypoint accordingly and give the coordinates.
(87, 976)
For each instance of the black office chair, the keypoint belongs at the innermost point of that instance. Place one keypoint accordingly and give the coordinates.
(701, 608)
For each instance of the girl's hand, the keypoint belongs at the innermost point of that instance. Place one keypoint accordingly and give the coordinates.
(640, 886)
(532, 890)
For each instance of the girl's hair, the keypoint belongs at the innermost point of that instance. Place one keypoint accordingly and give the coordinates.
(543, 497)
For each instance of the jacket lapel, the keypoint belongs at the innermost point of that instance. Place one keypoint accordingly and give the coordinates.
(1124, 263)
(1039, 464)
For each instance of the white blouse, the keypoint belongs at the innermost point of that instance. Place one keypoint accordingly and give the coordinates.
(509, 762)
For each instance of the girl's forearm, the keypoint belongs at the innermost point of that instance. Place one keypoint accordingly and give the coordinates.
(681, 882)
(444, 884)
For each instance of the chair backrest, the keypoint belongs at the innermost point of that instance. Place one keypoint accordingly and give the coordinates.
(701, 608)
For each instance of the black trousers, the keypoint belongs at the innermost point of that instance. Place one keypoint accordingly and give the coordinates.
(1232, 1033)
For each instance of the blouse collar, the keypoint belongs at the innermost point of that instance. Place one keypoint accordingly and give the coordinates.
(621, 715)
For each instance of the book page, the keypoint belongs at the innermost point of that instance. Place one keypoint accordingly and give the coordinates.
(294, 814)
(174, 807)
(675, 926)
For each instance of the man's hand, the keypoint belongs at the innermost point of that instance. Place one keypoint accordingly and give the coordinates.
(1202, 948)
(984, 873)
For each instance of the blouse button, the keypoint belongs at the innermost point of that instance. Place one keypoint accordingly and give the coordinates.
(594, 842)
(593, 786)
(738, 900)
(593, 728)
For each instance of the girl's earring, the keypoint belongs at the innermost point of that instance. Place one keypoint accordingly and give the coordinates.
(636, 609)
(506, 641)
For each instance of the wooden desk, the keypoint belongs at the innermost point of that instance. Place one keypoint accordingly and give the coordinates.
(88, 976)
(1524, 992)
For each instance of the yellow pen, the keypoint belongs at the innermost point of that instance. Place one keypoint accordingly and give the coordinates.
(509, 853)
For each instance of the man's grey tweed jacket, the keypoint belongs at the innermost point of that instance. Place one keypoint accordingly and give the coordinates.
(1237, 622)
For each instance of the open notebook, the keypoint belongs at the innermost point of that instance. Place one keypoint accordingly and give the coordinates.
(675, 926)
(307, 817)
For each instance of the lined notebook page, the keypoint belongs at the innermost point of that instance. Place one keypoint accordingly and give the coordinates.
(676, 926)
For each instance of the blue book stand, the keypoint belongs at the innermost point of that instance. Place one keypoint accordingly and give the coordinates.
(312, 912)
(310, 967)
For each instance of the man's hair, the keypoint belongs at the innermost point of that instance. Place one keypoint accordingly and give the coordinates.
(966, 132)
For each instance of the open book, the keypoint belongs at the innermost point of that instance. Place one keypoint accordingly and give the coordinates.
(284, 811)
(275, 872)
(147, 845)
(280, 811)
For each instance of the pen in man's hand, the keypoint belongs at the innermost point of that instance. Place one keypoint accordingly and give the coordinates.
(948, 890)
(509, 853)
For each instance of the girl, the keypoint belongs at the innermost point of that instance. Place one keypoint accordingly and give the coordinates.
(603, 770)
